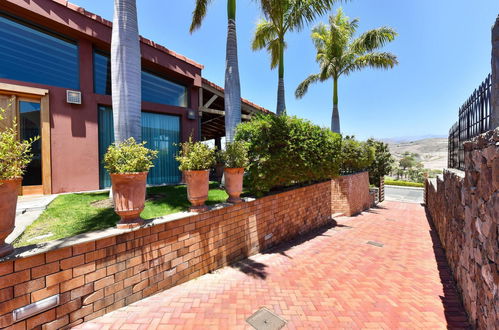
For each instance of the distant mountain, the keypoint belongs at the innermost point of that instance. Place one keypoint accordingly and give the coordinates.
(403, 139)
(432, 151)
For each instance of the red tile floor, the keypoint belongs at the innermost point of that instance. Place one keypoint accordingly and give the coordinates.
(329, 279)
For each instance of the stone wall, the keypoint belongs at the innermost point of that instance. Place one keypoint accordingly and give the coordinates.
(96, 273)
(494, 115)
(349, 194)
(464, 207)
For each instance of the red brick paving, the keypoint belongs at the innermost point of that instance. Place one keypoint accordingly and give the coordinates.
(332, 280)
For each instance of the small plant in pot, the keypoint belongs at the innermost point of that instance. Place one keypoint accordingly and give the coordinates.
(235, 158)
(195, 160)
(15, 155)
(128, 164)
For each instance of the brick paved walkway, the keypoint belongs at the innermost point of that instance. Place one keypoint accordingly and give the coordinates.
(331, 279)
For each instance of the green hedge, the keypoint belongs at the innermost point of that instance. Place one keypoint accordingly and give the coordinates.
(356, 156)
(382, 164)
(286, 150)
(403, 183)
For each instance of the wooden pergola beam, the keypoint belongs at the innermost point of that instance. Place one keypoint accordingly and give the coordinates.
(220, 112)
(210, 101)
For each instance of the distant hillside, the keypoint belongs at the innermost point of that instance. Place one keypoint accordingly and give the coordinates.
(432, 152)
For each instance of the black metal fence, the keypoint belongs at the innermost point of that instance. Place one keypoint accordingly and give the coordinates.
(474, 119)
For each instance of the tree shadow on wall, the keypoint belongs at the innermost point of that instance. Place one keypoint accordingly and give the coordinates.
(454, 311)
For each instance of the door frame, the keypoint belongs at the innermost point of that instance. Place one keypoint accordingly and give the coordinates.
(39, 95)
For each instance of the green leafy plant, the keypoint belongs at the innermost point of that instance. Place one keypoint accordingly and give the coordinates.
(356, 156)
(285, 151)
(383, 161)
(15, 155)
(235, 154)
(195, 156)
(403, 183)
(129, 157)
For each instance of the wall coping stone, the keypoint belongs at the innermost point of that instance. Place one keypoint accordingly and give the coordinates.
(35, 249)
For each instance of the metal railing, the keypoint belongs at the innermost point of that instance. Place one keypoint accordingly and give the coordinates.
(474, 119)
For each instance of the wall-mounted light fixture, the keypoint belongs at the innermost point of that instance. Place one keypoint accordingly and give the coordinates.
(191, 114)
(35, 308)
(73, 97)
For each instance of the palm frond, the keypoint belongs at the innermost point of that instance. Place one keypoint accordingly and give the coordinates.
(320, 36)
(198, 14)
(273, 48)
(265, 32)
(303, 12)
(375, 60)
(373, 39)
(302, 88)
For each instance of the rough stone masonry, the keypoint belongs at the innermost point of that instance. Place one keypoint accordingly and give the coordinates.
(494, 115)
(464, 208)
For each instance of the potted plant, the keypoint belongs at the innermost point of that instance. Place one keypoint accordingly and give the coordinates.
(195, 160)
(128, 163)
(235, 158)
(15, 156)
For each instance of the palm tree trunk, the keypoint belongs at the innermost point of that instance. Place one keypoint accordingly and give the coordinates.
(232, 97)
(281, 97)
(335, 119)
(126, 71)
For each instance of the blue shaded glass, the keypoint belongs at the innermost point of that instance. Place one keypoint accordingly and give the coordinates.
(102, 74)
(159, 90)
(32, 55)
(155, 89)
(162, 133)
(30, 128)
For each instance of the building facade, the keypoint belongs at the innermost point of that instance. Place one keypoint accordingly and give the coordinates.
(51, 49)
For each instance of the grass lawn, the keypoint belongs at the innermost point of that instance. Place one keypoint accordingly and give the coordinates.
(73, 214)
(392, 182)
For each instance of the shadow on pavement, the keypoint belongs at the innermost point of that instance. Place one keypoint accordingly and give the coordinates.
(455, 314)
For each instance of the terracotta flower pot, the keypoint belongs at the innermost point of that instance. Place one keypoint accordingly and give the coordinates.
(129, 195)
(197, 189)
(9, 190)
(234, 184)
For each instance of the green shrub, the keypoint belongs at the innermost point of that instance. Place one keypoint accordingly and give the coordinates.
(15, 155)
(195, 156)
(285, 150)
(129, 157)
(383, 161)
(356, 156)
(235, 154)
(403, 183)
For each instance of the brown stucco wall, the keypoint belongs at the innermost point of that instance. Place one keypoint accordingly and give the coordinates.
(464, 207)
(74, 128)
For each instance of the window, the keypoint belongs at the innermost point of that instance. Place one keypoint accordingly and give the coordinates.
(162, 133)
(102, 74)
(155, 88)
(33, 55)
(159, 90)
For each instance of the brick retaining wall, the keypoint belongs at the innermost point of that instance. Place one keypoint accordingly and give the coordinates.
(464, 207)
(349, 195)
(97, 276)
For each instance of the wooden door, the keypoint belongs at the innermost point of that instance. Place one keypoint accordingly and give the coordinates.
(29, 109)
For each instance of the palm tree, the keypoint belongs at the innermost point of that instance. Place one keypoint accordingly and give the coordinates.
(281, 16)
(232, 94)
(338, 53)
(126, 71)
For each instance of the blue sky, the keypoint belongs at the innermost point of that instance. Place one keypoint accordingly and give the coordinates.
(443, 48)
